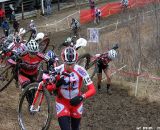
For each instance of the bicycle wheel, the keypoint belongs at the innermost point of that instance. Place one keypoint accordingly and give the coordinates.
(27, 35)
(84, 60)
(27, 119)
(92, 69)
(3, 62)
(44, 44)
(6, 77)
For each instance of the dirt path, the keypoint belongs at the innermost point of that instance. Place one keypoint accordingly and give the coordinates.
(118, 111)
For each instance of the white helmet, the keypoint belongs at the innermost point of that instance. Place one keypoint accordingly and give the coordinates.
(33, 46)
(112, 54)
(39, 36)
(69, 39)
(21, 31)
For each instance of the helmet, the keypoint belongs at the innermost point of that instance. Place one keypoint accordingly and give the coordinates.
(51, 54)
(32, 20)
(69, 55)
(17, 39)
(112, 54)
(33, 46)
(10, 38)
(69, 39)
(73, 20)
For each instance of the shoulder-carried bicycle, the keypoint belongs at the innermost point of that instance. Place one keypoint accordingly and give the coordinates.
(41, 110)
(89, 61)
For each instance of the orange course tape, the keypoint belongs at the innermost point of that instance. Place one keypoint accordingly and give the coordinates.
(134, 74)
(110, 9)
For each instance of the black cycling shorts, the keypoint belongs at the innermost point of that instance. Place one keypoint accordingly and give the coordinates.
(69, 123)
(100, 66)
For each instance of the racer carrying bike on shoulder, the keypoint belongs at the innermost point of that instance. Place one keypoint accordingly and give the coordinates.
(69, 42)
(75, 26)
(33, 28)
(102, 64)
(97, 13)
(54, 62)
(18, 46)
(28, 66)
(69, 99)
(12, 45)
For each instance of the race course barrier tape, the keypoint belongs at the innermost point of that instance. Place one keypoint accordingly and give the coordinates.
(110, 9)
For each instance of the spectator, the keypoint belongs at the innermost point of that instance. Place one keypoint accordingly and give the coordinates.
(92, 4)
(11, 12)
(124, 3)
(48, 5)
(5, 27)
(15, 25)
(2, 14)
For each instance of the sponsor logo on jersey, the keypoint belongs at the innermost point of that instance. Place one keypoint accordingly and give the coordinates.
(59, 107)
(87, 80)
(82, 72)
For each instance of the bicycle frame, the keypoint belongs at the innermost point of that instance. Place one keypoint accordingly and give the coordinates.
(48, 83)
(45, 82)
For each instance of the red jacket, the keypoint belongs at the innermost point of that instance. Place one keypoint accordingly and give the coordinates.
(2, 13)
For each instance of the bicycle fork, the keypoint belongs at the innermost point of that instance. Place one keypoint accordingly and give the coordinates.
(32, 109)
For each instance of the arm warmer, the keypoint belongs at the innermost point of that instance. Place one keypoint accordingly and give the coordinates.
(91, 91)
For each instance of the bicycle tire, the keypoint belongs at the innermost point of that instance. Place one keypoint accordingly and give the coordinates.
(49, 104)
(43, 45)
(30, 35)
(93, 72)
(85, 59)
(2, 87)
(3, 62)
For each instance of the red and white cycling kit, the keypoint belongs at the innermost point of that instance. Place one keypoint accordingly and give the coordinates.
(14, 48)
(103, 58)
(29, 67)
(102, 62)
(17, 48)
(72, 89)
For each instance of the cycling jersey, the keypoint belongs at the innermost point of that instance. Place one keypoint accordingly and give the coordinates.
(17, 48)
(97, 12)
(74, 82)
(75, 24)
(71, 89)
(103, 59)
(11, 48)
(32, 26)
(102, 63)
(29, 65)
(29, 68)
